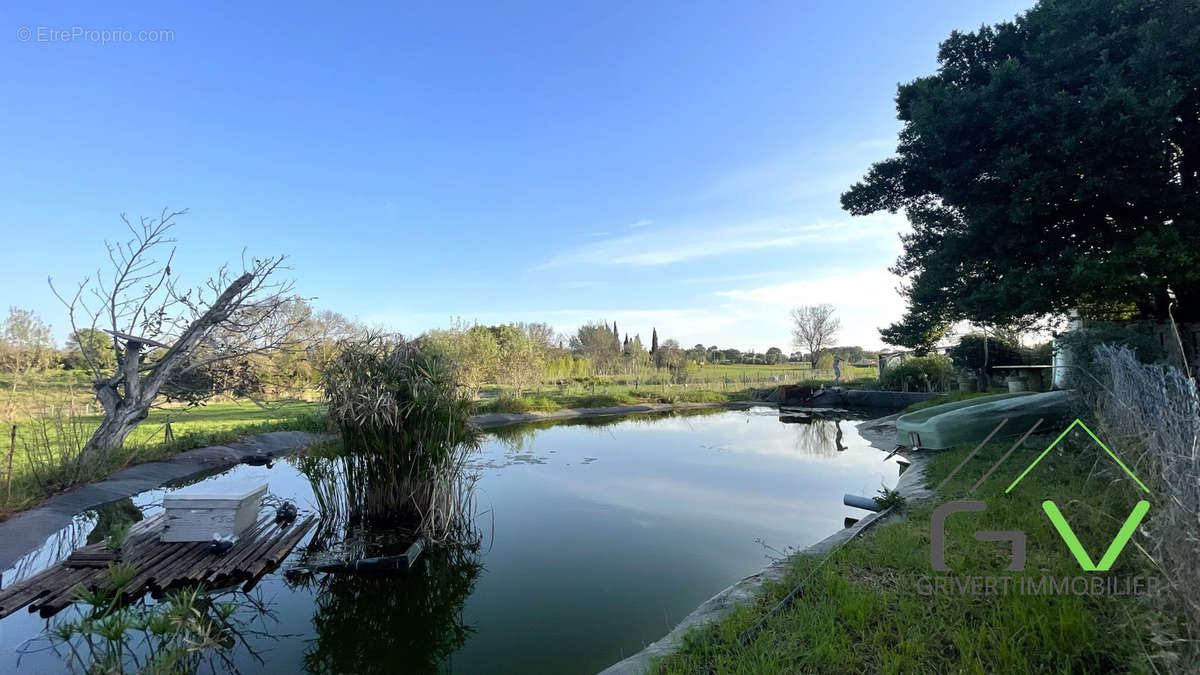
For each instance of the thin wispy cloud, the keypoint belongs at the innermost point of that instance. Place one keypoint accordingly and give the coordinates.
(666, 246)
(641, 223)
(876, 144)
(726, 278)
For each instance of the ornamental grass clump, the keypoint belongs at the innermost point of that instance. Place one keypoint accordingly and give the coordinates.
(406, 429)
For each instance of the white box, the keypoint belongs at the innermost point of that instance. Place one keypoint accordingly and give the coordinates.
(197, 512)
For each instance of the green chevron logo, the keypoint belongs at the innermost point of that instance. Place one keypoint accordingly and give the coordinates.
(1114, 549)
(1064, 528)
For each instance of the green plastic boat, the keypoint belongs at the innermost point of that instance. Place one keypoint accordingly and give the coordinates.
(970, 421)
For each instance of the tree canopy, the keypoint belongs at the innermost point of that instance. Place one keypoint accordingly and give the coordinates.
(814, 328)
(1052, 163)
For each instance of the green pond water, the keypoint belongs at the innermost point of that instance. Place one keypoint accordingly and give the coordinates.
(594, 539)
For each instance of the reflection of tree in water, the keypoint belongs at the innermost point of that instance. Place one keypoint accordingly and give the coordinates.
(517, 437)
(113, 516)
(818, 436)
(394, 624)
(402, 622)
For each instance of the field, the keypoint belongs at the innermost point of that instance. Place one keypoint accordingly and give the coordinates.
(710, 384)
(45, 446)
(722, 379)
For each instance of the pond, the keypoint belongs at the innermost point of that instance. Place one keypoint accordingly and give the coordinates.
(595, 538)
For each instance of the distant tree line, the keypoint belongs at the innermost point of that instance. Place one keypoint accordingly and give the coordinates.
(516, 355)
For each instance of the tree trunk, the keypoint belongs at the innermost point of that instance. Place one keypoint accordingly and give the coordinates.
(122, 413)
(115, 428)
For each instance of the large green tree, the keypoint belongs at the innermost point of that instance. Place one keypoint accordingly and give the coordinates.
(1052, 163)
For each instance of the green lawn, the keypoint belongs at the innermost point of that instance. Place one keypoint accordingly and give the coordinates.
(863, 610)
(38, 392)
(46, 444)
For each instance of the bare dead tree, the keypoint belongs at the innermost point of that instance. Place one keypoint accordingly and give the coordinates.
(814, 328)
(145, 309)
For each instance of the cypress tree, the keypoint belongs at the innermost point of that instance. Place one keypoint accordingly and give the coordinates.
(653, 340)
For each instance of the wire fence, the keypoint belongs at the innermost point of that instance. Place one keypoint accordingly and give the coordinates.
(1154, 409)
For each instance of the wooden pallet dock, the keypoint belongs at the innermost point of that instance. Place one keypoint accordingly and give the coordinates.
(160, 565)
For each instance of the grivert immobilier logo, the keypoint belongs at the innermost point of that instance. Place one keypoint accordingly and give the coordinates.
(1087, 584)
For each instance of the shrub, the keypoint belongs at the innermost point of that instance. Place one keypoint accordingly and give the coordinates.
(918, 372)
(1082, 343)
(602, 401)
(1042, 354)
(888, 498)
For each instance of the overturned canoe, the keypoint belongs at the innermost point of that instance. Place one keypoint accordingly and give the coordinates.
(970, 421)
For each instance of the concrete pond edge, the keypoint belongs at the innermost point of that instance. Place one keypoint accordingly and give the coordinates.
(881, 434)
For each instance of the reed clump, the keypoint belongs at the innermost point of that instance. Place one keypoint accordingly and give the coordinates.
(406, 431)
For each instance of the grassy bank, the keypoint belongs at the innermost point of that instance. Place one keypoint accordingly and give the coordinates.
(45, 446)
(563, 401)
(718, 378)
(867, 609)
(718, 384)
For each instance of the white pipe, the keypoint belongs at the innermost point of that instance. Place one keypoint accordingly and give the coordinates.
(860, 502)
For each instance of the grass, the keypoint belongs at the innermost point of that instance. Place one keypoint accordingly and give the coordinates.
(39, 391)
(722, 378)
(192, 428)
(556, 401)
(864, 611)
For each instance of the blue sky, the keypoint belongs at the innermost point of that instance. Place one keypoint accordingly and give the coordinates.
(662, 165)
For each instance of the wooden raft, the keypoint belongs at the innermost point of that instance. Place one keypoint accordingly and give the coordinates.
(160, 565)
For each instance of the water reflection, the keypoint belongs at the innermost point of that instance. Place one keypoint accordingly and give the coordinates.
(188, 631)
(56, 548)
(388, 624)
(112, 517)
(403, 621)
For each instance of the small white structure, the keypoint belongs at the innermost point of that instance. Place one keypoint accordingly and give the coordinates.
(197, 512)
